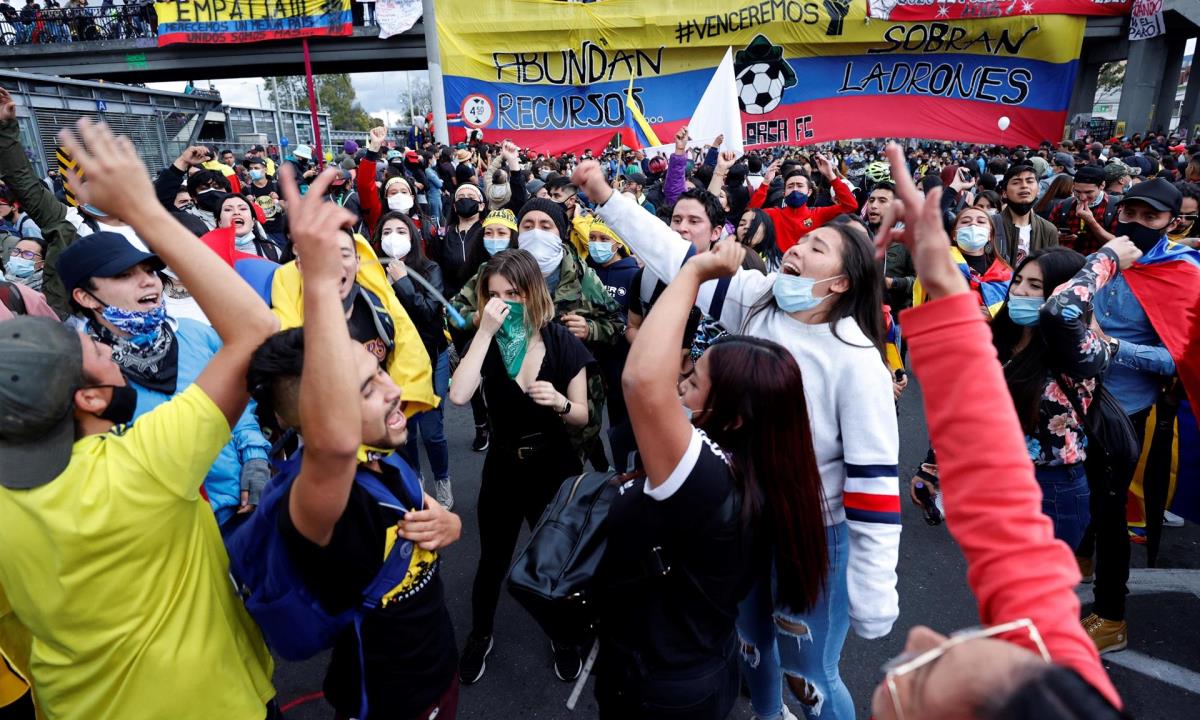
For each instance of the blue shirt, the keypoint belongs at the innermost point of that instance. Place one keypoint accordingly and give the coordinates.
(1135, 373)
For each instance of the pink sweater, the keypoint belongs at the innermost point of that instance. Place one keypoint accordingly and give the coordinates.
(1015, 567)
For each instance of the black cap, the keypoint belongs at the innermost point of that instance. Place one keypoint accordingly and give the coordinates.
(253, 160)
(637, 178)
(1157, 193)
(258, 148)
(1090, 175)
(41, 366)
(101, 254)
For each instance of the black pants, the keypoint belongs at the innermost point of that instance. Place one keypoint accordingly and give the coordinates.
(1108, 534)
(707, 694)
(512, 490)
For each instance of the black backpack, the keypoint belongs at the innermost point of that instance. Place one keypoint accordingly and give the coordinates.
(1113, 448)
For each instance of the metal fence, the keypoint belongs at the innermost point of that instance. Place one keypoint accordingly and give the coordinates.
(44, 25)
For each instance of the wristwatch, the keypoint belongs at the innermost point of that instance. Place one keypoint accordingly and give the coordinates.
(566, 408)
(1113, 346)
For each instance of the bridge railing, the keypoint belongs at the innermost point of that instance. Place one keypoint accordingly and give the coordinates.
(76, 24)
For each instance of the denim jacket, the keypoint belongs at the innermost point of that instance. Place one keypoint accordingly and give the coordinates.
(1137, 370)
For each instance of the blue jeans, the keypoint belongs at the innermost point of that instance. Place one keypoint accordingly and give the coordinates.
(429, 425)
(1065, 498)
(803, 648)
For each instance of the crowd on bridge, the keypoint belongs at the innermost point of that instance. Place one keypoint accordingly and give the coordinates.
(231, 368)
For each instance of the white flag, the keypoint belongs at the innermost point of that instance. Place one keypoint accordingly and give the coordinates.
(717, 114)
(396, 16)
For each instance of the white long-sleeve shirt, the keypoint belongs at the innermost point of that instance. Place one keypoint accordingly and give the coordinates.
(851, 410)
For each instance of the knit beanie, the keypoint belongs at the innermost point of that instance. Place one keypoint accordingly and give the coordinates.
(551, 208)
(501, 217)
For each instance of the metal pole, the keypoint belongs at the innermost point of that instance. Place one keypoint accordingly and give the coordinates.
(312, 107)
(434, 58)
(411, 111)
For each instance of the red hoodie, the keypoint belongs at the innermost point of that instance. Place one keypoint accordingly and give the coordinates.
(1015, 567)
(793, 223)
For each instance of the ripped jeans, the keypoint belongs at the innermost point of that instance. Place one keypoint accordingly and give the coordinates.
(803, 649)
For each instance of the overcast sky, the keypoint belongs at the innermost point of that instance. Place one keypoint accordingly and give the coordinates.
(378, 93)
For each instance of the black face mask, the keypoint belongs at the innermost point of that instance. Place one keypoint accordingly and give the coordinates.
(1020, 208)
(466, 207)
(210, 201)
(1142, 236)
(122, 406)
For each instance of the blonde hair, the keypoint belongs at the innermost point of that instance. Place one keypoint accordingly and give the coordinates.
(519, 268)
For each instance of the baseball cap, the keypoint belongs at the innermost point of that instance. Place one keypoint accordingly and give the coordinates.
(258, 148)
(101, 254)
(41, 366)
(1090, 175)
(393, 154)
(1066, 160)
(533, 186)
(254, 161)
(1117, 169)
(638, 178)
(412, 156)
(1157, 193)
(303, 151)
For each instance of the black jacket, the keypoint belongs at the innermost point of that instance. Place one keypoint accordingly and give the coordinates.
(425, 312)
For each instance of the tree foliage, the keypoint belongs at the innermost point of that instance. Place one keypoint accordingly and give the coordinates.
(335, 95)
(1112, 76)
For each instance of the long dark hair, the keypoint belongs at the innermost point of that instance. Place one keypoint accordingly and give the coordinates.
(864, 300)
(768, 247)
(416, 259)
(1025, 372)
(1059, 189)
(772, 456)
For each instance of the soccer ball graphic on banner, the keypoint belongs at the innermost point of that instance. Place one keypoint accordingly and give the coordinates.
(760, 88)
(762, 75)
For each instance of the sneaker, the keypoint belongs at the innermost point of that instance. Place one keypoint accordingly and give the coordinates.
(482, 438)
(1086, 568)
(473, 660)
(1108, 635)
(567, 663)
(443, 494)
(1170, 519)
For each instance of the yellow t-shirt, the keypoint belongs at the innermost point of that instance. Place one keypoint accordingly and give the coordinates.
(117, 569)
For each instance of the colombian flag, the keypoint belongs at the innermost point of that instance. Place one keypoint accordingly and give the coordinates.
(205, 22)
(1166, 282)
(991, 287)
(641, 135)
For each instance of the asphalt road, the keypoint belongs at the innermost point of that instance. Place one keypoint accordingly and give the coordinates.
(1158, 677)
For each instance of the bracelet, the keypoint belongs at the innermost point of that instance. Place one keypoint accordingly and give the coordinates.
(566, 408)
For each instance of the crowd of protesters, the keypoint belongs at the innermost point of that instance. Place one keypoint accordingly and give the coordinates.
(233, 367)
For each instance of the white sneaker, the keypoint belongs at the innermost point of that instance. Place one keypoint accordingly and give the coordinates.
(1170, 519)
(443, 494)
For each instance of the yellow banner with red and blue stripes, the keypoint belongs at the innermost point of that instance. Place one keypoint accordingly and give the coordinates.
(554, 75)
(243, 21)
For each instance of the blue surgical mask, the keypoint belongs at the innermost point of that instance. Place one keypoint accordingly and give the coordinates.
(1024, 310)
(795, 199)
(143, 326)
(257, 174)
(972, 238)
(601, 252)
(94, 211)
(794, 293)
(19, 267)
(495, 245)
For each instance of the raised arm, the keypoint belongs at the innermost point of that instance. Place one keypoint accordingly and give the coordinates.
(364, 181)
(673, 183)
(116, 181)
(330, 394)
(651, 377)
(1015, 567)
(1074, 348)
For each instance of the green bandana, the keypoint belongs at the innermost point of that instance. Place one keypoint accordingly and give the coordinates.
(512, 338)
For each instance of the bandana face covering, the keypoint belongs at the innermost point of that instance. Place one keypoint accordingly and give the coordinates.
(143, 327)
(512, 338)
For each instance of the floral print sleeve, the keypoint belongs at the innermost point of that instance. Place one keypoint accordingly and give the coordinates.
(1065, 321)
(1077, 358)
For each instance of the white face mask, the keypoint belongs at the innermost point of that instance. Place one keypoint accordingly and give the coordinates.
(545, 247)
(396, 245)
(400, 202)
(972, 238)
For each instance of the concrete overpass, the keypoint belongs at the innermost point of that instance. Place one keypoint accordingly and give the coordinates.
(140, 60)
(1146, 98)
